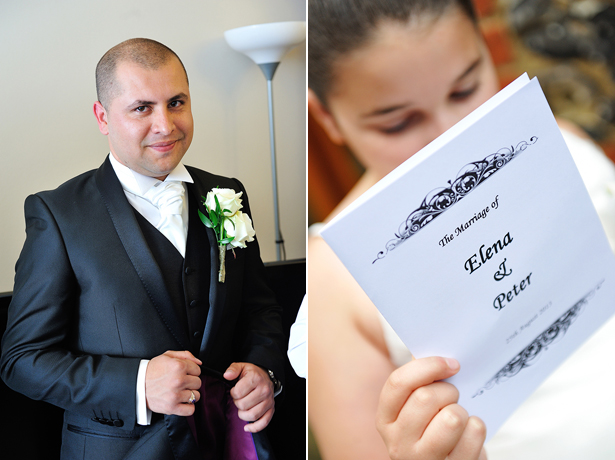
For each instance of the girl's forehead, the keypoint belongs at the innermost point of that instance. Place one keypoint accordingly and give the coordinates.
(406, 58)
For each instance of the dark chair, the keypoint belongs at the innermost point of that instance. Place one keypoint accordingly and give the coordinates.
(32, 429)
(287, 430)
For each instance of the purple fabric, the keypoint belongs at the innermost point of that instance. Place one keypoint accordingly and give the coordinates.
(239, 444)
(217, 427)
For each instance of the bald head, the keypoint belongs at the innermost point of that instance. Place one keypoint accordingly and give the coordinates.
(147, 53)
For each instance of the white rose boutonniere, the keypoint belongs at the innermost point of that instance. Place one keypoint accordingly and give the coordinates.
(230, 202)
(239, 226)
(233, 228)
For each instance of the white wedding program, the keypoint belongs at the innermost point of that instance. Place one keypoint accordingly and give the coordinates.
(485, 247)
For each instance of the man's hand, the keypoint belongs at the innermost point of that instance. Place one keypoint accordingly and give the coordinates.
(253, 395)
(170, 380)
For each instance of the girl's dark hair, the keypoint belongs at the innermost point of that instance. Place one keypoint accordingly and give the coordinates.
(336, 27)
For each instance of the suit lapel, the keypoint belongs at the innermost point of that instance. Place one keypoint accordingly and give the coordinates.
(217, 291)
(129, 233)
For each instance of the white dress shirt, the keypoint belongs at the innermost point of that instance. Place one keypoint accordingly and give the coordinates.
(135, 186)
(297, 343)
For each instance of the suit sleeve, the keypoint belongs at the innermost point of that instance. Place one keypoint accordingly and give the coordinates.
(38, 356)
(261, 321)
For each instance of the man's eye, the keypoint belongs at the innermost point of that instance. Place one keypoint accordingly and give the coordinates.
(141, 109)
(175, 104)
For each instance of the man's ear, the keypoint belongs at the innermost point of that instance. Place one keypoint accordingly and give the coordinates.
(101, 117)
(324, 118)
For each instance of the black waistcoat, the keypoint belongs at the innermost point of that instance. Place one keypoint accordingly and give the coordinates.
(187, 280)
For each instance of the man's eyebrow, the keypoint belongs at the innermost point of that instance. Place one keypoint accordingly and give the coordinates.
(393, 108)
(140, 102)
(178, 96)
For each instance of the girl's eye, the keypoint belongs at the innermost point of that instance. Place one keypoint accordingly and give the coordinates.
(407, 123)
(463, 95)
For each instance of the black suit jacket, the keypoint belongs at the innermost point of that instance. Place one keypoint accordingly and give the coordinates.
(90, 302)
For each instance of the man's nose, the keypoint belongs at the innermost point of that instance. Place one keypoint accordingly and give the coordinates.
(163, 122)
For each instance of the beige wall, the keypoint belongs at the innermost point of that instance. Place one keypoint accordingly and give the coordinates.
(48, 134)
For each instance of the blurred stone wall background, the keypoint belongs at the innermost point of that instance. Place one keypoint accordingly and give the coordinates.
(569, 45)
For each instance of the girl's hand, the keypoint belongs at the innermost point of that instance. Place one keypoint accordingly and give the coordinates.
(418, 416)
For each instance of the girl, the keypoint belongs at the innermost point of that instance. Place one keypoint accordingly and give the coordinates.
(386, 77)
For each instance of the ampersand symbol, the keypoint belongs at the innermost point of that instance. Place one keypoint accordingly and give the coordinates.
(501, 273)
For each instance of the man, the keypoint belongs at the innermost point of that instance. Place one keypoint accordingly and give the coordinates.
(117, 314)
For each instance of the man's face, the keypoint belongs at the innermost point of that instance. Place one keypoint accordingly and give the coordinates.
(149, 123)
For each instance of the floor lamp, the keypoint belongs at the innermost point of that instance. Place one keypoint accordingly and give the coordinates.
(266, 44)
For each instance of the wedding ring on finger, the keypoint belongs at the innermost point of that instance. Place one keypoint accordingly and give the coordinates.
(192, 398)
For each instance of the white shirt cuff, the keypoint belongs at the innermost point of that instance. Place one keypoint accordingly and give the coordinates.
(144, 415)
(297, 344)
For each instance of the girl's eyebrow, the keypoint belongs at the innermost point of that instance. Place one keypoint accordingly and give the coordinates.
(470, 69)
(393, 108)
(385, 110)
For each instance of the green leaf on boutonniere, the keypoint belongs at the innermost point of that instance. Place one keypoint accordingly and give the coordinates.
(213, 217)
(226, 240)
(205, 220)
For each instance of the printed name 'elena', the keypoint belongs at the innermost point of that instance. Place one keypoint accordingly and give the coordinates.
(486, 253)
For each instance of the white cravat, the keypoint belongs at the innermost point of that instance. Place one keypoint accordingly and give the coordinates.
(168, 197)
(140, 191)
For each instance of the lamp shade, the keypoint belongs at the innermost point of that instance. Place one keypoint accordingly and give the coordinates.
(266, 43)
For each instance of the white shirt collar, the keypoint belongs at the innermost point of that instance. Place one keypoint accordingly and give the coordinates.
(138, 184)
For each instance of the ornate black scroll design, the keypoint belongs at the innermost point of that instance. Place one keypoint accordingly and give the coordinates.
(534, 350)
(439, 200)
